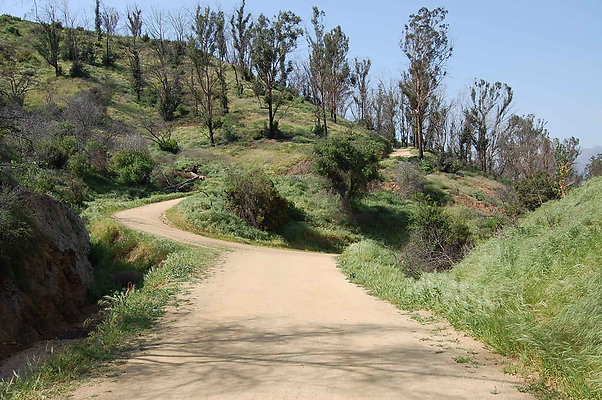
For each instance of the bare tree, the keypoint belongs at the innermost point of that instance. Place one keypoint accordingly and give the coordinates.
(16, 78)
(73, 41)
(205, 81)
(180, 26)
(525, 148)
(110, 19)
(166, 78)
(49, 34)
(427, 48)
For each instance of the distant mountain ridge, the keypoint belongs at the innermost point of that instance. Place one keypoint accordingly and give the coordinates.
(585, 156)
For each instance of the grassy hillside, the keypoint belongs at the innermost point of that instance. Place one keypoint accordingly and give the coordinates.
(534, 291)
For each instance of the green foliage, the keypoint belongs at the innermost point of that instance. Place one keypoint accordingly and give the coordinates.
(349, 163)
(169, 145)
(60, 184)
(56, 152)
(436, 242)
(532, 192)
(16, 227)
(533, 292)
(594, 167)
(131, 167)
(14, 31)
(253, 197)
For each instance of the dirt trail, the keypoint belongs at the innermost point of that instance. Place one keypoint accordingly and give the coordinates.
(278, 324)
(402, 152)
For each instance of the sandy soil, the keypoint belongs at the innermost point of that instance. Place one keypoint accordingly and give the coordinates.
(403, 152)
(278, 324)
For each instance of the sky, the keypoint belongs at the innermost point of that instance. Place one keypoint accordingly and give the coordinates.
(548, 51)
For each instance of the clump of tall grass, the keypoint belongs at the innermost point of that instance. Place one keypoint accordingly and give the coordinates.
(535, 291)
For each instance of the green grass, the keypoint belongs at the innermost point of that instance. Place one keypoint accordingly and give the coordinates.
(127, 315)
(534, 292)
(316, 224)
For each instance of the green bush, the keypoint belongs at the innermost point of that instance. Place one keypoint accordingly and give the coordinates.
(16, 227)
(80, 164)
(436, 242)
(56, 152)
(131, 167)
(532, 192)
(169, 145)
(349, 163)
(253, 197)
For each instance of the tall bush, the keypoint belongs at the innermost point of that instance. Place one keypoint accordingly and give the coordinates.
(253, 197)
(349, 163)
(132, 167)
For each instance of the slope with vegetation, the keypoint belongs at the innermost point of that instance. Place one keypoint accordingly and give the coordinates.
(93, 117)
(533, 291)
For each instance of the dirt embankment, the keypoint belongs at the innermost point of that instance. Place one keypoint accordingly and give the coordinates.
(44, 292)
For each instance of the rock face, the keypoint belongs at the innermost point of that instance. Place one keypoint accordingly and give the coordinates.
(48, 295)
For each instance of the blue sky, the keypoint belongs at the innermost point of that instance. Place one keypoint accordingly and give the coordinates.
(550, 52)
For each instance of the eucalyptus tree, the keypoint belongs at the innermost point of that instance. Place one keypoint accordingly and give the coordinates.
(206, 85)
(97, 20)
(336, 45)
(134, 24)
(594, 167)
(273, 40)
(241, 30)
(222, 58)
(317, 72)
(427, 48)
(361, 98)
(488, 109)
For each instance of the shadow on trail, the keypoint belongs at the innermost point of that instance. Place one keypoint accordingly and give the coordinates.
(233, 358)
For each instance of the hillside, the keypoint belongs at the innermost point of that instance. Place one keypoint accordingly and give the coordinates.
(532, 292)
(382, 216)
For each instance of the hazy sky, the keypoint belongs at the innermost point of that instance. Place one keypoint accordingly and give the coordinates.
(549, 51)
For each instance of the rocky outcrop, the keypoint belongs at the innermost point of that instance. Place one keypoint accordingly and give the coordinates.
(46, 295)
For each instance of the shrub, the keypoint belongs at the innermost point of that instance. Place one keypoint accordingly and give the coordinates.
(80, 164)
(13, 30)
(229, 135)
(349, 163)
(533, 191)
(436, 241)
(56, 152)
(169, 145)
(15, 225)
(594, 167)
(131, 167)
(252, 196)
(448, 163)
(409, 179)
